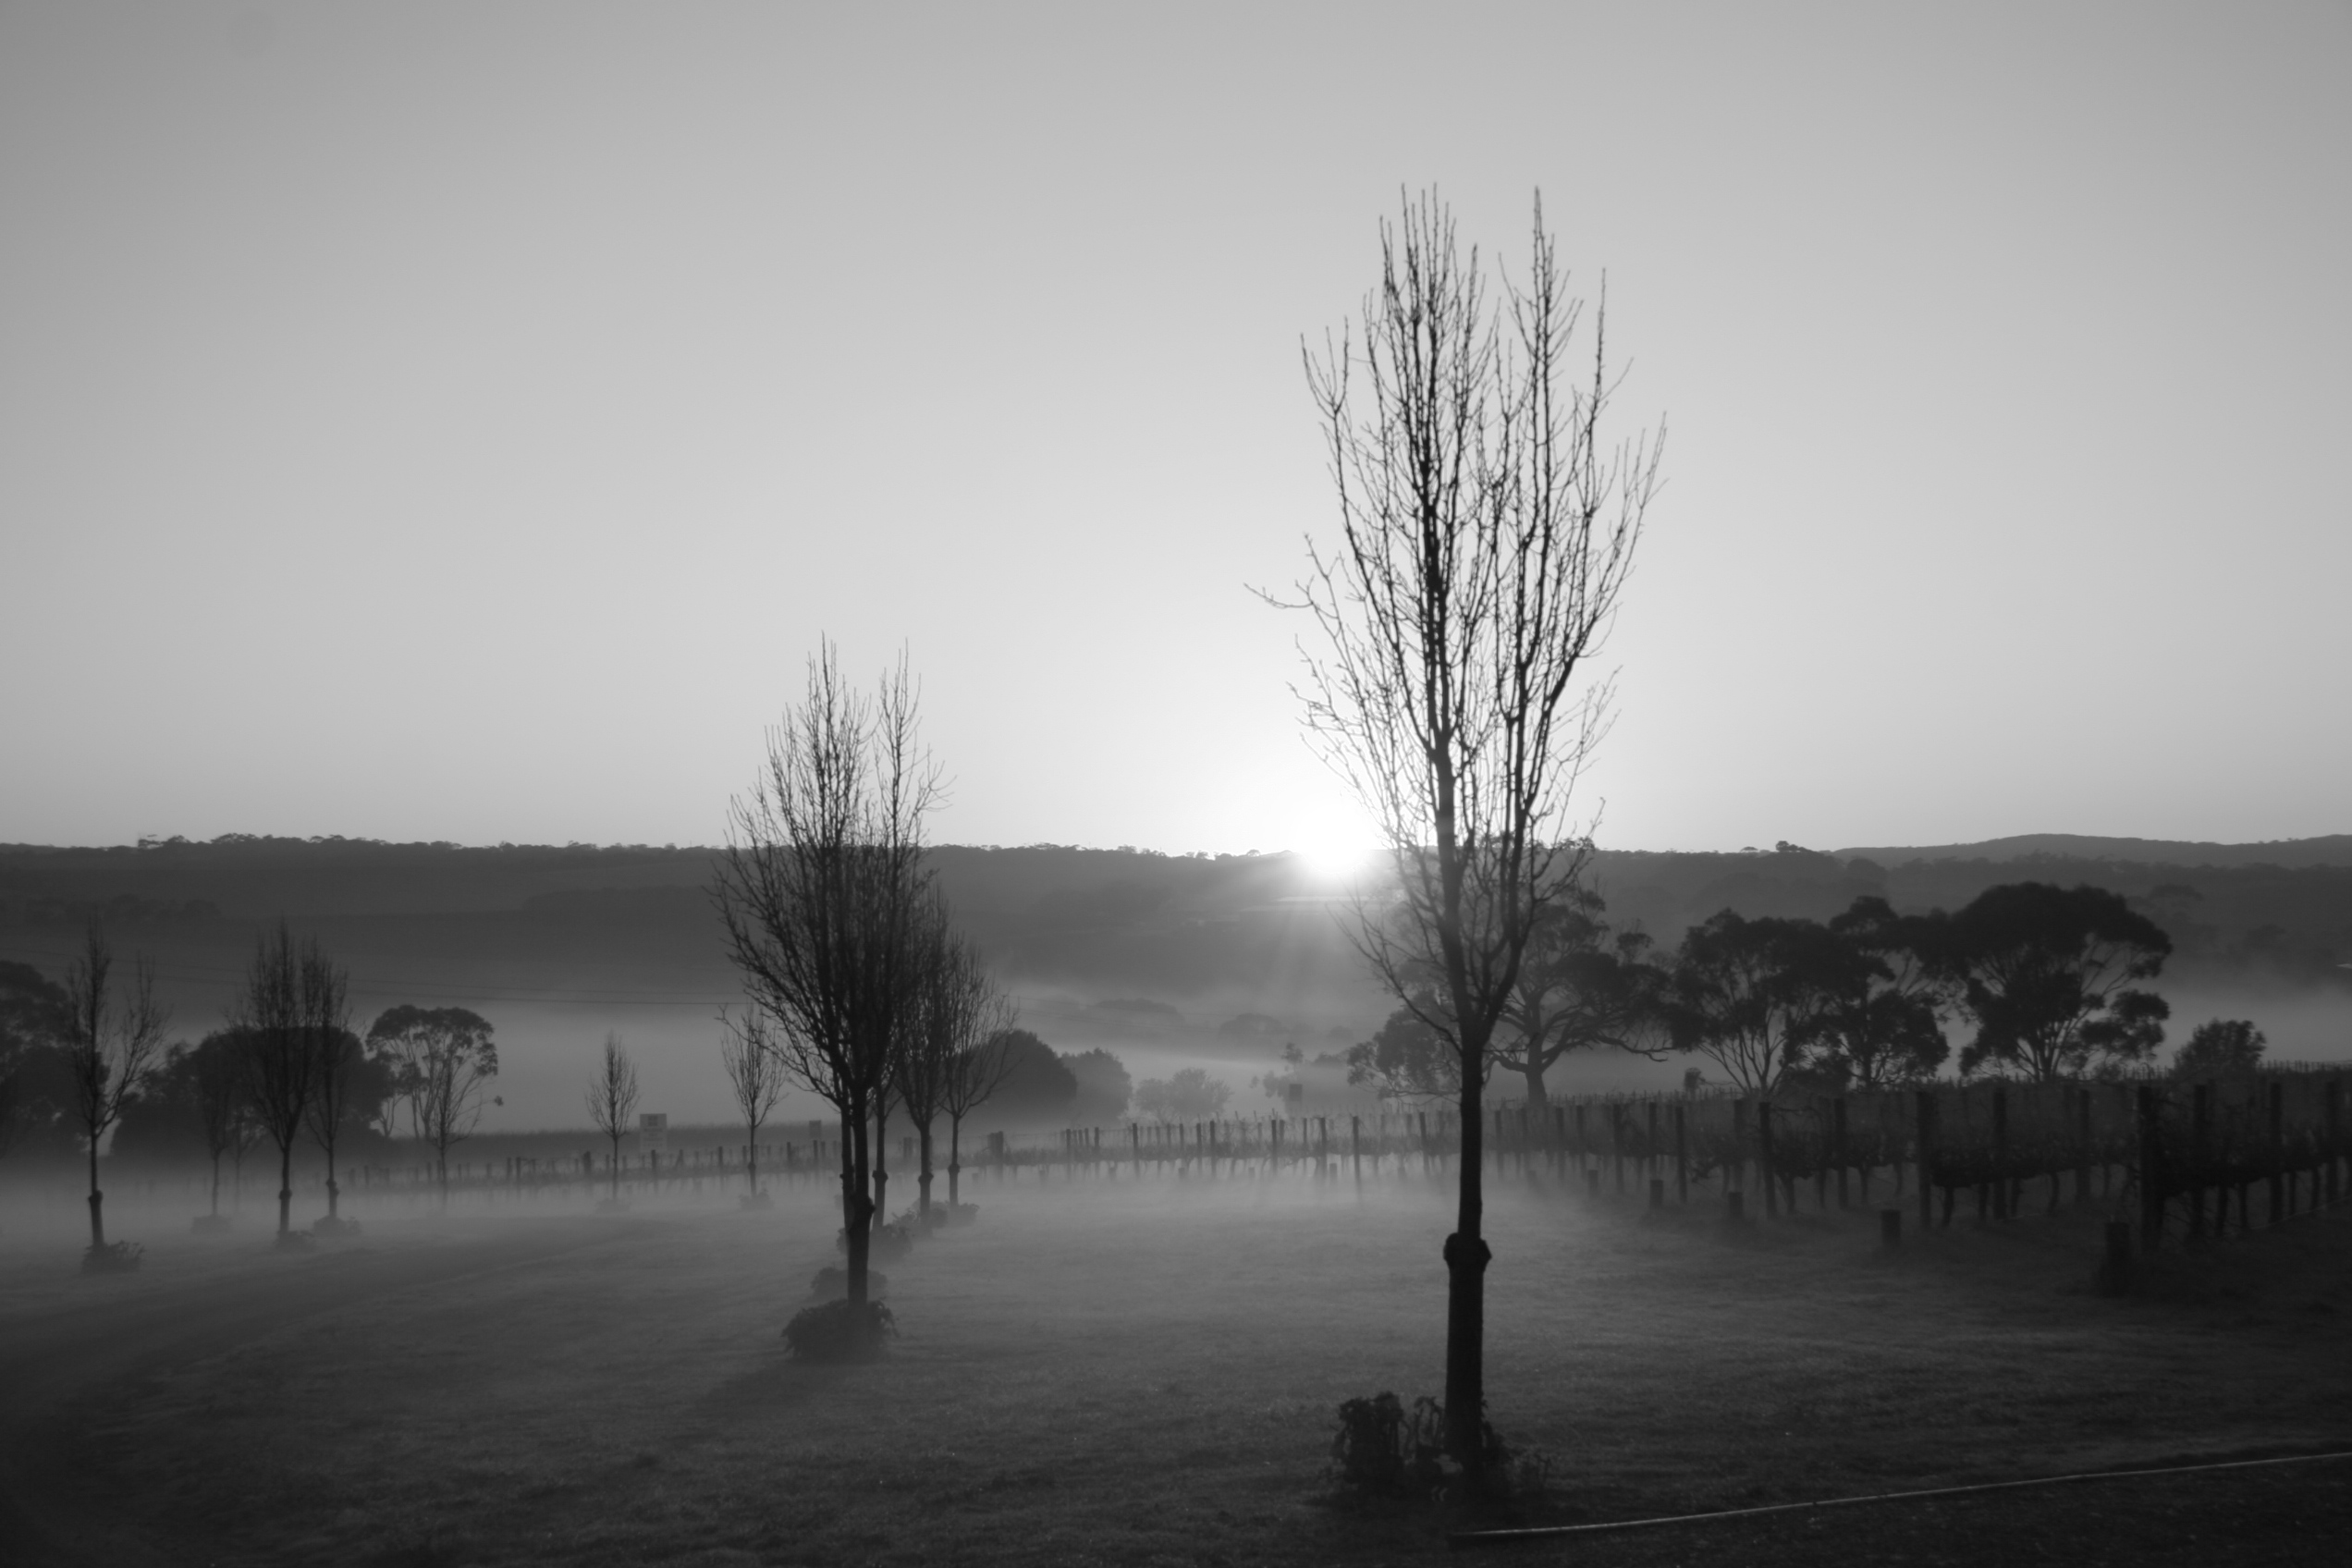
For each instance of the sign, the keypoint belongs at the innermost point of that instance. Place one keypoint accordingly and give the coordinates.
(653, 1134)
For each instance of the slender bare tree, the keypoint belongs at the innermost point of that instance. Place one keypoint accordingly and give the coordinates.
(612, 1095)
(442, 1061)
(325, 1009)
(964, 1019)
(818, 885)
(217, 1070)
(756, 1074)
(110, 1049)
(281, 1069)
(1486, 528)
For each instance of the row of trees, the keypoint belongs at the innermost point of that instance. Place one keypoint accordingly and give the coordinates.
(87, 1058)
(2046, 976)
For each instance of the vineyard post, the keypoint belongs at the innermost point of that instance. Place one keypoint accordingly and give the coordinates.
(1135, 1146)
(2334, 1128)
(1681, 1155)
(2151, 1172)
(2200, 1118)
(1322, 1144)
(1926, 1156)
(1837, 1133)
(2278, 1151)
(1617, 1144)
(2000, 1152)
(1764, 1168)
(2082, 1145)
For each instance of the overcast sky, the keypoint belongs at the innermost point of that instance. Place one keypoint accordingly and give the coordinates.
(461, 422)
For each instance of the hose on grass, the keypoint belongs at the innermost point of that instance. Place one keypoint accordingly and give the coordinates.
(1461, 1538)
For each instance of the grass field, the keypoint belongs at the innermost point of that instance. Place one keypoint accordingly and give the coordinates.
(1125, 1373)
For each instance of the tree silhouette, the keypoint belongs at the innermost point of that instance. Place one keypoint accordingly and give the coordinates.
(1583, 985)
(441, 1061)
(2046, 974)
(2221, 1047)
(110, 1049)
(1486, 528)
(1749, 995)
(612, 1095)
(1883, 998)
(820, 886)
(755, 1077)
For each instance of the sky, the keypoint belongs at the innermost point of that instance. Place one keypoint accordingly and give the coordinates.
(463, 422)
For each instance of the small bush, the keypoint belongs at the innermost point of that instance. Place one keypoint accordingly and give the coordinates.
(1383, 1450)
(833, 1283)
(840, 1330)
(111, 1257)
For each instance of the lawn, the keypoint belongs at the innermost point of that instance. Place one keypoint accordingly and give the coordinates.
(1126, 1372)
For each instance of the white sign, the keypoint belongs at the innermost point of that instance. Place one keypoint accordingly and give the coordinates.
(653, 1134)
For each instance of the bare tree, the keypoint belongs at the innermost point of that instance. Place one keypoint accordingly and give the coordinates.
(947, 1065)
(110, 1049)
(216, 1069)
(1486, 533)
(755, 1074)
(281, 1067)
(442, 1061)
(325, 1009)
(612, 1095)
(974, 1073)
(818, 885)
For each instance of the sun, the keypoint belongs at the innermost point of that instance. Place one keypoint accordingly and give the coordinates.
(1338, 849)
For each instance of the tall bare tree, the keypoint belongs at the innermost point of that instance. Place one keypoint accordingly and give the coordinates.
(612, 1095)
(110, 1048)
(442, 1061)
(1486, 528)
(324, 1004)
(754, 1074)
(281, 1063)
(819, 885)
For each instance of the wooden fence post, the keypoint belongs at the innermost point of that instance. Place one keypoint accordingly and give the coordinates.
(1926, 1156)
(1837, 1145)
(1682, 1157)
(2152, 1175)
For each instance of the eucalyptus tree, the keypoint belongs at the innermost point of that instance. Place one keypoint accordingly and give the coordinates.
(217, 1075)
(1750, 994)
(1487, 523)
(2048, 976)
(1584, 984)
(820, 885)
(114, 1032)
(442, 1061)
(1884, 997)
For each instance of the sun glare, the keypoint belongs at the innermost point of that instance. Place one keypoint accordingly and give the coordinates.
(1337, 851)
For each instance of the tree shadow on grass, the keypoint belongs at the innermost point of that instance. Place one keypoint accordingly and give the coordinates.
(778, 1384)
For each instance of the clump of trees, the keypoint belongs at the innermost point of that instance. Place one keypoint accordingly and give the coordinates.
(439, 1062)
(1187, 1095)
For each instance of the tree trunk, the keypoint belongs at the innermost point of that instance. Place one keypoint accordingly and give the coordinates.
(285, 1187)
(1534, 1073)
(750, 1156)
(923, 1181)
(616, 1168)
(858, 1228)
(97, 1199)
(334, 1193)
(881, 1165)
(1466, 1257)
(216, 1184)
(955, 1165)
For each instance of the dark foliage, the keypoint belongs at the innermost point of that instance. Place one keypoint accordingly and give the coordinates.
(840, 1330)
(2221, 1047)
(1382, 1449)
(1104, 1087)
(1037, 1084)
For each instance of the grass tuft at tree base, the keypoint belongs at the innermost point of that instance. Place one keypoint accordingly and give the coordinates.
(111, 1257)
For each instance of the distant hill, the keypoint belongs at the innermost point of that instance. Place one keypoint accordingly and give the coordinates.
(2334, 849)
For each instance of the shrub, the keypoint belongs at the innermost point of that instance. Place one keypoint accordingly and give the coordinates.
(112, 1257)
(1383, 1450)
(839, 1330)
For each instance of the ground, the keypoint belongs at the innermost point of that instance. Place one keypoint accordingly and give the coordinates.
(1126, 1372)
